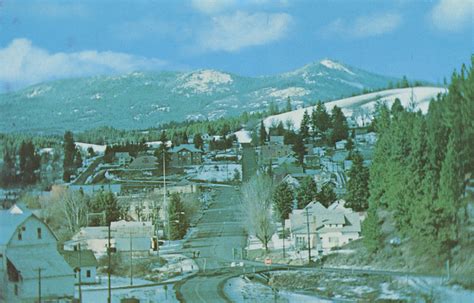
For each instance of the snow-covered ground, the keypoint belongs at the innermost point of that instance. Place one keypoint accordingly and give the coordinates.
(243, 136)
(242, 290)
(361, 107)
(98, 149)
(216, 172)
(144, 294)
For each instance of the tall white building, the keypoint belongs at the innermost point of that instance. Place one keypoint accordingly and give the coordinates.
(30, 263)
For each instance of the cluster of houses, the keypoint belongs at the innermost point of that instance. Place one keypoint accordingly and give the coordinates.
(323, 228)
(315, 225)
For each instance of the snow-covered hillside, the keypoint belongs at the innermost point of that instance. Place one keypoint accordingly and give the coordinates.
(360, 108)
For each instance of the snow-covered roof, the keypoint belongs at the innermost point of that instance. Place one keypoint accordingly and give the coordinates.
(243, 136)
(10, 220)
(188, 147)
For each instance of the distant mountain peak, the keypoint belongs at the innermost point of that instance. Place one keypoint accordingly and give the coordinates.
(331, 64)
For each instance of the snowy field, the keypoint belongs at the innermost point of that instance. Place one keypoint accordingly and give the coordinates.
(216, 172)
(242, 290)
(144, 294)
(98, 149)
(359, 107)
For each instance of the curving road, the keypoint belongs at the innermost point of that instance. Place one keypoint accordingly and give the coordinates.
(220, 238)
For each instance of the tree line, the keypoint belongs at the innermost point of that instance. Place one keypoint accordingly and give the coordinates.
(420, 169)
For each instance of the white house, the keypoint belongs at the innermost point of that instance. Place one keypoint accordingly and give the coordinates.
(328, 227)
(122, 234)
(341, 144)
(28, 255)
(83, 263)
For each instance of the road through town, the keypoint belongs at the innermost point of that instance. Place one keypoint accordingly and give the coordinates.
(219, 239)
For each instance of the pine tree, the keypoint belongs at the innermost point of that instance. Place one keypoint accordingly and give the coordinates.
(340, 129)
(371, 231)
(327, 195)
(69, 152)
(283, 205)
(178, 224)
(299, 149)
(8, 172)
(29, 163)
(307, 192)
(163, 152)
(304, 128)
(78, 159)
(263, 133)
(105, 201)
(197, 140)
(358, 184)
(320, 119)
(288, 105)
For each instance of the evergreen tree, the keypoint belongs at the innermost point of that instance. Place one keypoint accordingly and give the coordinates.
(105, 201)
(29, 163)
(69, 151)
(288, 105)
(358, 184)
(371, 231)
(307, 192)
(299, 149)
(327, 195)
(397, 107)
(283, 205)
(8, 172)
(304, 128)
(162, 152)
(178, 224)
(78, 159)
(263, 133)
(198, 142)
(340, 130)
(320, 119)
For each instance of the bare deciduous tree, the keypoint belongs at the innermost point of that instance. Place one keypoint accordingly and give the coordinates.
(257, 205)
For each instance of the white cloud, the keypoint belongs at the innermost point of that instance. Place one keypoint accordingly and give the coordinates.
(364, 26)
(452, 15)
(25, 64)
(212, 6)
(233, 32)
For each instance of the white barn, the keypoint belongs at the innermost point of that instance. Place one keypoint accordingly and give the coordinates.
(28, 255)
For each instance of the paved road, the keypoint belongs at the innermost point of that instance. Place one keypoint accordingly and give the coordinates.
(220, 236)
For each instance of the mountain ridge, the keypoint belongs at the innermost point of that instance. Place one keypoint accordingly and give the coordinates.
(146, 99)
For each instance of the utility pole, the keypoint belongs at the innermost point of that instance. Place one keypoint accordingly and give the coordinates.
(131, 261)
(39, 284)
(164, 195)
(308, 234)
(80, 273)
(109, 289)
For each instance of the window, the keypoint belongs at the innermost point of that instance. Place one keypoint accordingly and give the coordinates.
(38, 232)
(20, 236)
(88, 273)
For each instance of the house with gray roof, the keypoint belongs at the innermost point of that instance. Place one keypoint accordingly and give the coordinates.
(186, 154)
(28, 255)
(83, 264)
(328, 227)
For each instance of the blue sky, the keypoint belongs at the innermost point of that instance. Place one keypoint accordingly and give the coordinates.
(44, 40)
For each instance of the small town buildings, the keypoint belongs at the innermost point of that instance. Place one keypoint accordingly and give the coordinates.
(328, 227)
(123, 158)
(341, 144)
(83, 263)
(28, 254)
(144, 162)
(186, 154)
(123, 236)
